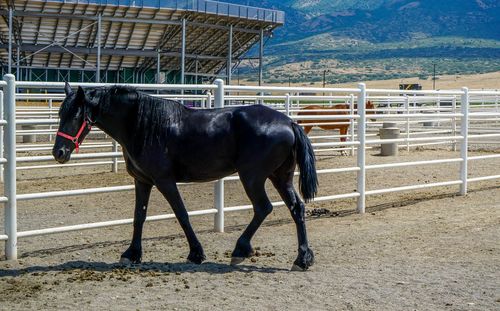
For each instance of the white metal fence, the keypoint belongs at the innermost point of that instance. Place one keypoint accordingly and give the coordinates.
(405, 107)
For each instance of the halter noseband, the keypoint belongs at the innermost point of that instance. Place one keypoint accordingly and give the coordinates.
(75, 139)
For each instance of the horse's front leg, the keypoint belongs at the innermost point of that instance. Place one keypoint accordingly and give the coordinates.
(169, 190)
(134, 253)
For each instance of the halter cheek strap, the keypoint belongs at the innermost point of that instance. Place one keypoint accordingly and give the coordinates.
(75, 139)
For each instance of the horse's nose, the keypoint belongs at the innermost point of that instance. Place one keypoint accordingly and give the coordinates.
(59, 155)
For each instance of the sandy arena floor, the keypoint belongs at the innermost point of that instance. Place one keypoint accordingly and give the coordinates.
(424, 250)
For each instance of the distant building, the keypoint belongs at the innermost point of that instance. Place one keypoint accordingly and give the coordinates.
(141, 41)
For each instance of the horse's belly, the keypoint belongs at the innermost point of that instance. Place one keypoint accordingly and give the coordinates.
(202, 175)
(203, 172)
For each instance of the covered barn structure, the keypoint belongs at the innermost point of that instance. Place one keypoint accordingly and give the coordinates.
(142, 41)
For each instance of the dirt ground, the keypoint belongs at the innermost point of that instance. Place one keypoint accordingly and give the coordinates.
(424, 250)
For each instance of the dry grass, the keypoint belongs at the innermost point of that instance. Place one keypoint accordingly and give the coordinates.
(478, 81)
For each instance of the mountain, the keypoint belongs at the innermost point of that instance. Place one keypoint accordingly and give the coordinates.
(461, 36)
(387, 20)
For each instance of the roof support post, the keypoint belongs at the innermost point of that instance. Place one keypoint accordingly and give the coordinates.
(183, 52)
(18, 57)
(158, 67)
(10, 40)
(230, 55)
(98, 72)
(261, 55)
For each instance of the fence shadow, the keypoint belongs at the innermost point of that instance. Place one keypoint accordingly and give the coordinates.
(143, 268)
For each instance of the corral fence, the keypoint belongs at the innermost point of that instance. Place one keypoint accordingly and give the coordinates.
(405, 107)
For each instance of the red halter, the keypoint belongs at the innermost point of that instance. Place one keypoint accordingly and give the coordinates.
(75, 139)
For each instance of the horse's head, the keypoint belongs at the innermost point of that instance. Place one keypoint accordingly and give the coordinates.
(75, 120)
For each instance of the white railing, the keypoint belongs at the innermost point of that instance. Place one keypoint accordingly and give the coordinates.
(286, 99)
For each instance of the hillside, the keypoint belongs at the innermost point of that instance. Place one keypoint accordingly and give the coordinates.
(381, 39)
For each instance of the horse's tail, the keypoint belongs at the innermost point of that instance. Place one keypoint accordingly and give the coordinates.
(308, 181)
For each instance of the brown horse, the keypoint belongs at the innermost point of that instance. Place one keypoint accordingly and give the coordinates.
(342, 125)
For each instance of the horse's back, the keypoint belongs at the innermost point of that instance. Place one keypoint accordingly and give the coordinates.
(316, 110)
(264, 137)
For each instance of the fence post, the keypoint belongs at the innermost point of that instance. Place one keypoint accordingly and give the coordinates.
(464, 132)
(351, 121)
(114, 166)
(10, 168)
(208, 103)
(361, 149)
(287, 104)
(1, 137)
(454, 122)
(407, 111)
(219, 184)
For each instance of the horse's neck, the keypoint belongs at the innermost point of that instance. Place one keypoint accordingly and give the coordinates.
(114, 120)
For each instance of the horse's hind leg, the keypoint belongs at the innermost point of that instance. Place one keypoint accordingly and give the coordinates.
(343, 138)
(134, 253)
(169, 190)
(283, 182)
(262, 207)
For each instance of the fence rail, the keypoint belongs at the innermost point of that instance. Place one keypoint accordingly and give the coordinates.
(289, 100)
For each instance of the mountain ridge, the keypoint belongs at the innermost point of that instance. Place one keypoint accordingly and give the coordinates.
(346, 32)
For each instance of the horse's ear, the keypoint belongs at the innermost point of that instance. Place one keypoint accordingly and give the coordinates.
(80, 96)
(67, 89)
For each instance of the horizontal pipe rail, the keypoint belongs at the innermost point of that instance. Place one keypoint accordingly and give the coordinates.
(413, 115)
(340, 143)
(85, 146)
(33, 167)
(415, 163)
(67, 193)
(483, 178)
(324, 117)
(168, 87)
(337, 197)
(25, 234)
(483, 157)
(414, 187)
(243, 88)
(484, 135)
(37, 121)
(101, 155)
(404, 140)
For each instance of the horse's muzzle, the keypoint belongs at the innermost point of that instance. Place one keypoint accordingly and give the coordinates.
(61, 155)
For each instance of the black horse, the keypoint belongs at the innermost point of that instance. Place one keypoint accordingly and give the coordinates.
(164, 143)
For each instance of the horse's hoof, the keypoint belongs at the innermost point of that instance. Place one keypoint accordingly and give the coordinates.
(237, 260)
(297, 268)
(193, 262)
(125, 261)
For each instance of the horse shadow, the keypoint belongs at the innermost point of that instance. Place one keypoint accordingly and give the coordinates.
(147, 267)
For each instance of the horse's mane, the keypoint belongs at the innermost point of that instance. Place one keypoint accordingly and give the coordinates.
(155, 116)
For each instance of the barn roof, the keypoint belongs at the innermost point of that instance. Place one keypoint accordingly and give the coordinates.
(64, 34)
